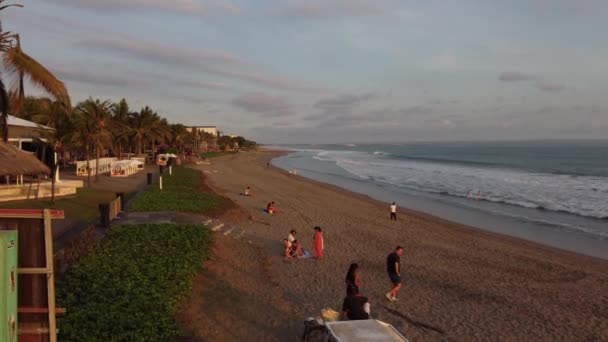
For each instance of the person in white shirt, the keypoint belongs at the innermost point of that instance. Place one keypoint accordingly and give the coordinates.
(393, 212)
(292, 236)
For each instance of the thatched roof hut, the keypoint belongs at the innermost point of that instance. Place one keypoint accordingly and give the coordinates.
(14, 162)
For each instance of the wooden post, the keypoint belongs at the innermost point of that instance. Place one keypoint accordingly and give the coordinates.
(48, 241)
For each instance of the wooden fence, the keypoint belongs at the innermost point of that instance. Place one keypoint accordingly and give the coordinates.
(110, 211)
(115, 208)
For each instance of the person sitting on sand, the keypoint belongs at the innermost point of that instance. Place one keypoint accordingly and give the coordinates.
(296, 249)
(287, 248)
(318, 243)
(292, 236)
(271, 209)
(352, 277)
(248, 191)
(355, 306)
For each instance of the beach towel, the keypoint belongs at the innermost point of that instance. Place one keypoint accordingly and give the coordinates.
(305, 254)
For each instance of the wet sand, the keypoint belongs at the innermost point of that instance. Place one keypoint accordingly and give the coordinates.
(460, 283)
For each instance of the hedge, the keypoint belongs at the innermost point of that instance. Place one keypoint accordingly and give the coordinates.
(129, 288)
(180, 193)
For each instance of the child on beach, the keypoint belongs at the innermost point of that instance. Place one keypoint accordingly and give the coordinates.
(318, 243)
(393, 212)
(248, 191)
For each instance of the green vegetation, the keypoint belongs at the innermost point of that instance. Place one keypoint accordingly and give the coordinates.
(210, 154)
(83, 206)
(226, 142)
(180, 193)
(129, 288)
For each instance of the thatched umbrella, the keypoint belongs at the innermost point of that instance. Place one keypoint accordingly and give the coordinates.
(15, 162)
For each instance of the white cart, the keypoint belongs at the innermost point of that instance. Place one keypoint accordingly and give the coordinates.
(362, 331)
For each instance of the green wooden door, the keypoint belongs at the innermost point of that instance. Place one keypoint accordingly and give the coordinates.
(8, 286)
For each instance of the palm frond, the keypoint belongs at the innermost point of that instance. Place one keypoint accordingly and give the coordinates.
(3, 112)
(19, 64)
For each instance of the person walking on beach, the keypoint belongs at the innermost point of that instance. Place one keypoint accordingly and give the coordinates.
(352, 277)
(318, 243)
(393, 212)
(393, 267)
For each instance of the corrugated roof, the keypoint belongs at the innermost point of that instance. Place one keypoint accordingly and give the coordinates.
(15, 121)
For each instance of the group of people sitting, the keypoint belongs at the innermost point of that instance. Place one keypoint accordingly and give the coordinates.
(294, 249)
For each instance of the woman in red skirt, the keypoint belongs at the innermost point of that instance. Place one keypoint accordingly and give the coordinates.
(318, 239)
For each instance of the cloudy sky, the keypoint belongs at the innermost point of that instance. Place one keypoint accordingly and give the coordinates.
(336, 71)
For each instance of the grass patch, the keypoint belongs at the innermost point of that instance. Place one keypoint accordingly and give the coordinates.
(129, 288)
(180, 193)
(82, 206)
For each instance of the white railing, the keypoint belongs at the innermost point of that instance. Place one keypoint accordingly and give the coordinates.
(125, 168)
(105, 166)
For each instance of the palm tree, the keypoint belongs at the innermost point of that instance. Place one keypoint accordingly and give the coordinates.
(98, 115)
(119, 128)
(84, 136)
(143, 125)
(63, 130)
(179, 136)
(19, 66)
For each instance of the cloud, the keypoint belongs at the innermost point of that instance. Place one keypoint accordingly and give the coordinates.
(203, 85)
(267, 105)
(343, 103)
(216, 62)
(441, 102)
(322, 9)
(160, 53)
(514, 76)
(194, 7)
(95, 78)
(373, 118)
(547, 109)
(550, 87)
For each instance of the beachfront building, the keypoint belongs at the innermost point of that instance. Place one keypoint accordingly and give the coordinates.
(24, 134)
(203, 129)
(205, 137)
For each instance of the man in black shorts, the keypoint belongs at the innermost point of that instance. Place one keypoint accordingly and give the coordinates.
(354, 306)
(393, 268)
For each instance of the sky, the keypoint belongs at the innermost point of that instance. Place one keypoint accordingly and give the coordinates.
(336, 71)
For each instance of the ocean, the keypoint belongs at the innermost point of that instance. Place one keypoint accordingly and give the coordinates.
(551, 192)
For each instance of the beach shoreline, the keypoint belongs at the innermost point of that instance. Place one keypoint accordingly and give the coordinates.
(422, 215)
(461, 282)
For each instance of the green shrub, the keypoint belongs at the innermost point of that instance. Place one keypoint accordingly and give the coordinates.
(129, 288)
(180, 193)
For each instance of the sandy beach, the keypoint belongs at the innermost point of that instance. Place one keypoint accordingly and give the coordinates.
(460, 283)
